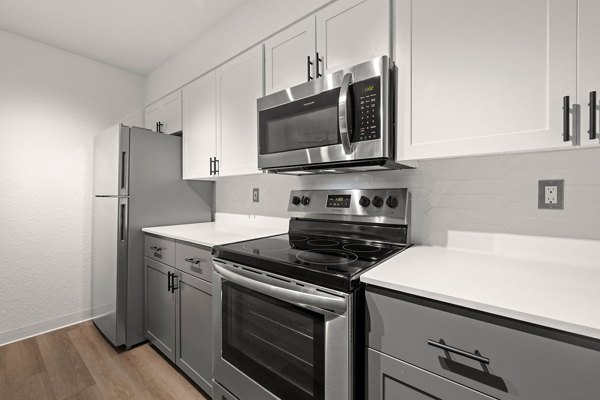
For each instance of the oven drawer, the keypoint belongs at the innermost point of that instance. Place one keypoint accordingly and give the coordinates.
(160, 248)
(521, 365)
(194, 259)
(220, 393)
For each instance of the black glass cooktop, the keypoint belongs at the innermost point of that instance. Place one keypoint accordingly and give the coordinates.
(321, 260)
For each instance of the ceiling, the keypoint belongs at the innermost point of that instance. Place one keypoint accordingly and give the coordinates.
(135, 35)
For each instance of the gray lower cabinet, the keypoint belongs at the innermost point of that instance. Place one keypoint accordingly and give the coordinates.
(159, 307)
(423, 343)
(392, 379)
(194, 330)
(178, 309)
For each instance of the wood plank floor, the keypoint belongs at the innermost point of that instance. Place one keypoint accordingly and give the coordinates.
(78, 363)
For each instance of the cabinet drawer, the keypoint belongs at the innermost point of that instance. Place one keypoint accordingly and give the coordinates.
(521, 365)
(391, 379)
(194, 259)
(160, 249)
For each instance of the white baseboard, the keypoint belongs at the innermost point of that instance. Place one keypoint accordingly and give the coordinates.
(25, 332)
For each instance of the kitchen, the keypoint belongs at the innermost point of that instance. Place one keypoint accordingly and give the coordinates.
(480, 112)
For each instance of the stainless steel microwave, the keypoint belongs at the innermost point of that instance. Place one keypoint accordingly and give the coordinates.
(342, 122)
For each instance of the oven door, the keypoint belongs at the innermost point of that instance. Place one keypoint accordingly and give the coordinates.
(342, 117)
(275, 339)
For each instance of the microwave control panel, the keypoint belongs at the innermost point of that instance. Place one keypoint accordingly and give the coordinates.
(367, 95)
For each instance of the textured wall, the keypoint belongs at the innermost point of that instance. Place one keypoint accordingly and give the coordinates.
(492, 194)
(52, 103)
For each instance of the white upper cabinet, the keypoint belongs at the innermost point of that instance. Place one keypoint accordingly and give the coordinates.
(343, 34)
(239, 85)
(478, 77)
(288, 54)
(199, 126)
(219, 119)
(589, 69)
(164, 115)
(352, 31)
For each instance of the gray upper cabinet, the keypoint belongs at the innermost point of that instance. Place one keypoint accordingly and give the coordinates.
(504, 359)
(159, 307)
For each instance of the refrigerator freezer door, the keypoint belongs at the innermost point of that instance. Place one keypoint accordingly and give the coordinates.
(109, 266)
(111, 162)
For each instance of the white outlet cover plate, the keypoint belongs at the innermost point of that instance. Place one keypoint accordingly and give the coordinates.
(551, 194)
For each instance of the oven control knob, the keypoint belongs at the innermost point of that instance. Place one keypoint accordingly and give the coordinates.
(392, 202)
(305, 200)
(295, 200)
(377, 201)
(364, 201)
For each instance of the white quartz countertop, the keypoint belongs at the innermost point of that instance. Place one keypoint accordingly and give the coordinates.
(227, 228)
(554, 290)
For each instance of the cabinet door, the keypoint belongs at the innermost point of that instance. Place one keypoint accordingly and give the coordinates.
(194, 330)
(239, 85)
(480, 77)
(199, 126)
(589, 66)
(159, 307)
(353, 31)
(392, 379)
(286, 56)
(171, 113)
(152, 115)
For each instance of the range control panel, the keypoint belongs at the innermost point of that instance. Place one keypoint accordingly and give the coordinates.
(351, 204)
(367, 110)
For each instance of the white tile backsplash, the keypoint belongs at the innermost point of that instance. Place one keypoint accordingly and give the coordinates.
(459, 200)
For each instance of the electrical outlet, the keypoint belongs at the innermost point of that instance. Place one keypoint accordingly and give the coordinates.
(255, 197)
(551, 194)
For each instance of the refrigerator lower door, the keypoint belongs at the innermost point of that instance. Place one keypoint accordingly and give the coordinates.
(109, 266)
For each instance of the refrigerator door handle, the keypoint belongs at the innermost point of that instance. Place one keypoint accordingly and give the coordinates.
(123, 219)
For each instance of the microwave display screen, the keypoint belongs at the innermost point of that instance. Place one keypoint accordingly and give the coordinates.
(338, 201)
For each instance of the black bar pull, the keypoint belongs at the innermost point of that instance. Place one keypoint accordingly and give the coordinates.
(217, 166)
(210, 166)
(169, 281)
(473, 356)
(173, 287)
(308, 67)
(159, 126)
(566, 119)
(592, 108)
(319, 60)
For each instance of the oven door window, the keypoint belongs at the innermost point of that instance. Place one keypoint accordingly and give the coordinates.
(279, 345)
(302, 124)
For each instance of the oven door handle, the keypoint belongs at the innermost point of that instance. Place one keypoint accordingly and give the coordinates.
(344, 113)
(301, 299)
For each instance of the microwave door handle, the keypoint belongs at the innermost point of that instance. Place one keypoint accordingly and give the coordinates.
(298, 298)
(344, 113)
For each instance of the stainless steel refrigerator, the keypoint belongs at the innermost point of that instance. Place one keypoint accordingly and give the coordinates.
(137, 183)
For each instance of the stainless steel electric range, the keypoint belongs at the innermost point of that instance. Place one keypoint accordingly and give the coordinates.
(288, 316)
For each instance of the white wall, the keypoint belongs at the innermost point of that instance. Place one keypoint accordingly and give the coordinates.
(465, 197)
(52, 103)
(248, 25)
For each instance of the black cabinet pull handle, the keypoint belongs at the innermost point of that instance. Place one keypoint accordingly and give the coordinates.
(156, 248)
(169, 281)
(592, 107)
(173, 287)
(193, 260)
(159, 126)
(566, 119)
(210, 164)
(308, 66)
(319, 60)
(217, 161)
(473, 356)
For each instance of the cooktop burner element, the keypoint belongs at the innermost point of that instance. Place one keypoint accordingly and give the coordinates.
(267, 245)
(326, 257)
(333, 237)
(323, 242)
